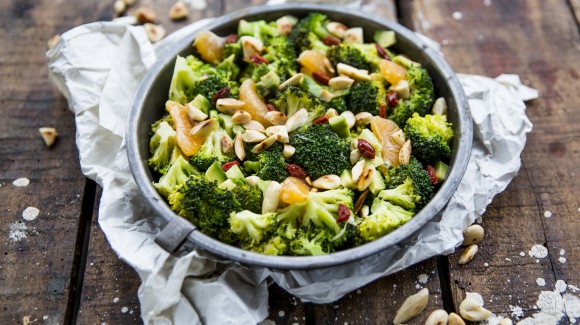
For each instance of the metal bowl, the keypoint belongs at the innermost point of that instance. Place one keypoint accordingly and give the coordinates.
(149, 102)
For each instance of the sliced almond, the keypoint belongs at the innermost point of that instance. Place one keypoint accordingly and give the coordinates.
(354, 156)
(48, 135)
(398, 137)
(178, 11)
(239, 147)
(337, 29)
(285, 24)
(254, 125)
(440, 106)
(271, 197)
(327, 182)
(357, 170)
(405, 153)
(251, 46)
(119, 7)
(350, 71)
(366, 178)
(364, 211)
(227, 144)
(52, 41)
(155, 33)
(241, 117)
(264, 144)
(473, 235)
(468, 255)
(455, 319)
(402, 89)
(229, 105)
(194, 113)
(276, 118)
(252, 136)
(308, 181)
(354, 144)
(354, 35)
(437, 317)
(330, 113)
(326, 95)
(280, 132)
(412, 306)
(292, 81)
(145, 15)
(297, 120)
(472, 311)
(202, 129)
(340, 83)
(350, 119)
(363, 118)
(328, 65)
(288, 151)
(253, 180)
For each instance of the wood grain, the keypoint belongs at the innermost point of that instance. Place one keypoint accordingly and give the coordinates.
(539, 41)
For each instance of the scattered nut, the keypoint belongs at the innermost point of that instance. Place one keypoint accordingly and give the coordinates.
(402, 89)
(398, 137)
(468, 254)
(412, 306)
(297, 120)
(145, 15)
(264, 144)
(357, 170)
(154, 32)
(241, 117)
(337, 29)
(405, 153)
(227, 144)
(353, 72)
(350, 119)
(455, 319)
(354, 156)
(251, 46)
(280, 132)
(473, 235)
(328, 65)
(288, 151)
(331, 113)
(437, 317)
(363, 118)
(354, 144)
(276, 118)
(292, 81)
(326, 95)
(229, 105)
(366, 178)
(119, 7)
(254, 125)
(194, 113)
(364, 211)
(178, 11)
(340, 82)
(505, 321)
(354, 35)
(472, 311)
(252, 136)
(327, 182)
(308, 181)
(48, 135)
(253, 180)
(52, 41)
(271, 197)
(285, 24)
(440, 106)
(202, 129)
(239, 147)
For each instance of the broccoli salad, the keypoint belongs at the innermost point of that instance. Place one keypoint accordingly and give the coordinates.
(295, 137)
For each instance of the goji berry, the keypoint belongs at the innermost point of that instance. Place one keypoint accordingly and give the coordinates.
(222, 93)
(432, 174)
(343, 213)
(255, 58)
(329, 41)
(296, 171)
(321, 78)
(366, 149)
(321, 120)
(229, 165)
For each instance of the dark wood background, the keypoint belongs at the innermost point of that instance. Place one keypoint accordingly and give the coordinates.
(65, 271)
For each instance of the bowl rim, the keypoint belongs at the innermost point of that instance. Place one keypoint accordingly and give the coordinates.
(138, 165)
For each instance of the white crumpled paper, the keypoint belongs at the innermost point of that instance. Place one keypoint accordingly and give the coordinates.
(98, 67)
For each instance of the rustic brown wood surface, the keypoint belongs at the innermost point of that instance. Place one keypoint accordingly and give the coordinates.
(59, 268)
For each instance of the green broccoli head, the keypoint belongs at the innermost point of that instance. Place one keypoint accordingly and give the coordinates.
(228, 68)
(250, 197)
(252, 227)
(274, 245)
(339, 104)
(208, 85)
(234, 49)
(207, 206)
(366, 96)
(397, 175)
(260, 29)
(404, 195)
(430, 136)
(292, 215)
(421, 98)
(293, 99)
(186, 73)
(384, 218)
(211, 151)
(308, 32)
(268, 165)
(177, 174)
(321, 208)
(320, 151)
(282, 57)
(162, 145)
(312, 241)
(348, 54)
(370, 54)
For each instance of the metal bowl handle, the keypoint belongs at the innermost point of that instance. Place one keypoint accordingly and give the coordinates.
(173, 238)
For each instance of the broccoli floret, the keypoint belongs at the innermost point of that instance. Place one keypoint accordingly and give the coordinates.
(234, 49)
(207, 206)
(252, 227)
(176, 175)
(320, 151)
(211, 151)
(321, 208)
(293, 99)
(292, 214)
(370, 54)
(384, 218)
(306, 34)
(209, 85)
(348, 54)
(269, 164)
(250, 197)
(275, 245)
(421, 98)
(186, 73)
(228, 68)
(339, 104)
(312, 242)
(162, 145)
(397, 175)
(282, 57)
(155, 126)
(430, 136)
(404, 195)
(260, 29)
(366, 96)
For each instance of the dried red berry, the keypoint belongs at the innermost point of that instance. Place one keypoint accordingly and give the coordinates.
(222, 93)
(321, 120)
(383, 111)
(255, 58)
(296, 171)
(432, 174)
(230, 164)
(365, 149)
(271, 107)
(392, 99)
(382, 52)
(321, 78)
(329, 41)
(232, 38)
(343, 213)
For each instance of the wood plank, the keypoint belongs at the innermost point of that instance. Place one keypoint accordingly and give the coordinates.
(37, 259)
(537, 40)
(575, 4)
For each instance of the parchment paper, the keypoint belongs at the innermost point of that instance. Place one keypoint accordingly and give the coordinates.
(98, 67)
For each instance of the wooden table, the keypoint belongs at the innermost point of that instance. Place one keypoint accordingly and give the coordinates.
(64, 270)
